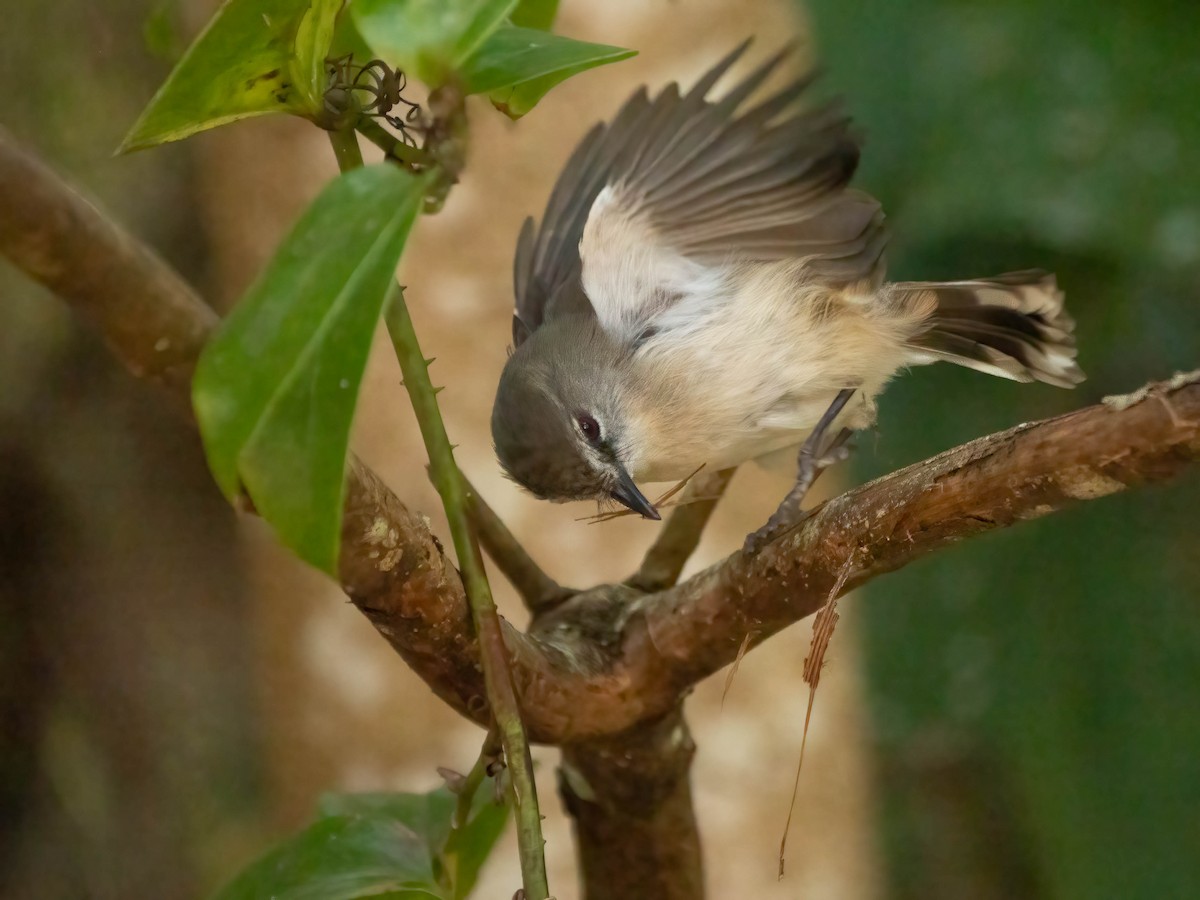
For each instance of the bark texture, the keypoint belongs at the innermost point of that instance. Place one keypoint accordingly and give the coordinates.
(631, 800)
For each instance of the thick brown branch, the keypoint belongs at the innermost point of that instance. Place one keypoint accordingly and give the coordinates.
(150, 318)
(993, 482)
(610, 658)
(657, 646)
(631, 801)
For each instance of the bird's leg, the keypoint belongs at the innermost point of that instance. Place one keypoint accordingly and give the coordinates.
(813, 460)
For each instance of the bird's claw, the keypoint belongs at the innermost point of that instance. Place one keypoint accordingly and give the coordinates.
(783, 520)
(790, 515)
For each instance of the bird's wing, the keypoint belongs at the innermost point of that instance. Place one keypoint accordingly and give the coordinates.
(678, 186)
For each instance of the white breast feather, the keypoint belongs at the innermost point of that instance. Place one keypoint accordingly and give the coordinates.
(750, 368)
(628, 274)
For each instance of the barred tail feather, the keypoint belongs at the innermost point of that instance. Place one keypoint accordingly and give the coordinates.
(1012, 325)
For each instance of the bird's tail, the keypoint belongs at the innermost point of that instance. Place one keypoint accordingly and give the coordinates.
(1011, 325)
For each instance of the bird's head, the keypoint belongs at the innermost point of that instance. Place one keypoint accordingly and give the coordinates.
(559, 422)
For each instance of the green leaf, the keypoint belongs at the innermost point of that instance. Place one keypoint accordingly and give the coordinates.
(341, 858)
(468, 848)
(347, 39)
(313, 37)
(459, 852)
(255, 57)
(518, 66)
(275, 388)
(427, 815)
(535, 14)
(428, 38)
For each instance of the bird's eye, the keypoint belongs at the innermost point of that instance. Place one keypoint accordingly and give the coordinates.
(590, 427)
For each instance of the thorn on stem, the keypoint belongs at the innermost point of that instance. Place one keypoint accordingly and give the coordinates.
(454, 780)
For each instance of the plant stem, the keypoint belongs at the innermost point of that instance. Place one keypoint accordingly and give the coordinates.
(392, 146)
(450, 484)
(501, 694)
(678, 539)
(537, 589)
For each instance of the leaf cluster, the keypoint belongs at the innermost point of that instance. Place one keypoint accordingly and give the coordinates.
(276, 388)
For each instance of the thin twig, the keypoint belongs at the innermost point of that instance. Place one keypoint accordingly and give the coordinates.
(537, 589)
(392, 147)
(677, 540)
(450, 484)
(662, 502)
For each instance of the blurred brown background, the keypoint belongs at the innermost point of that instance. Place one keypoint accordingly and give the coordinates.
(194, 689)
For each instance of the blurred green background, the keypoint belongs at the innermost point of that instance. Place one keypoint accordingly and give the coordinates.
(1033, 694)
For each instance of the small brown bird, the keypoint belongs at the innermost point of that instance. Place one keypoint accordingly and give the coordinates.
(705, 289)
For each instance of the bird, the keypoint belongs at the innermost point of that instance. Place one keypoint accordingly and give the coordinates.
(706, 288)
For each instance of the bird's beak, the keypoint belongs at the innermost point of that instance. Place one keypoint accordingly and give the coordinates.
(627, 493)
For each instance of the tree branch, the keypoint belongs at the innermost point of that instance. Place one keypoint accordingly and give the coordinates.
(536, 588)
(993, 482)
(608, 658)
(149, 317)
(677, 540)
(644, 651)
(631, 800)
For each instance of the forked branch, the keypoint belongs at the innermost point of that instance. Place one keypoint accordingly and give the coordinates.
(607, 659)
(537, 589)
(681, 534)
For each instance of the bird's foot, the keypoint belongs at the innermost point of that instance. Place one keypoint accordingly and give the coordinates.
(781, 522)
(790, 515)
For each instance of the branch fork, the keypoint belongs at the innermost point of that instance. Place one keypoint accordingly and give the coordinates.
(606, 668)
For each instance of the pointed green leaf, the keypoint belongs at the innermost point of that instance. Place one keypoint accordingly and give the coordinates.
(427, 815)
(468, 848)
(428, 38)
(254, 57)
(275, 388)
(341, 858)
(535, 14)
(313, 37)
(347, 39)
(459, 852)
(518, 66)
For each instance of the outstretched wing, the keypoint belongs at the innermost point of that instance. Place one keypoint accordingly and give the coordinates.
(678, 186)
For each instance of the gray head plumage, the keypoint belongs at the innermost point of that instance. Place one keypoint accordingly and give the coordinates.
(559, 382)
(533, 435)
